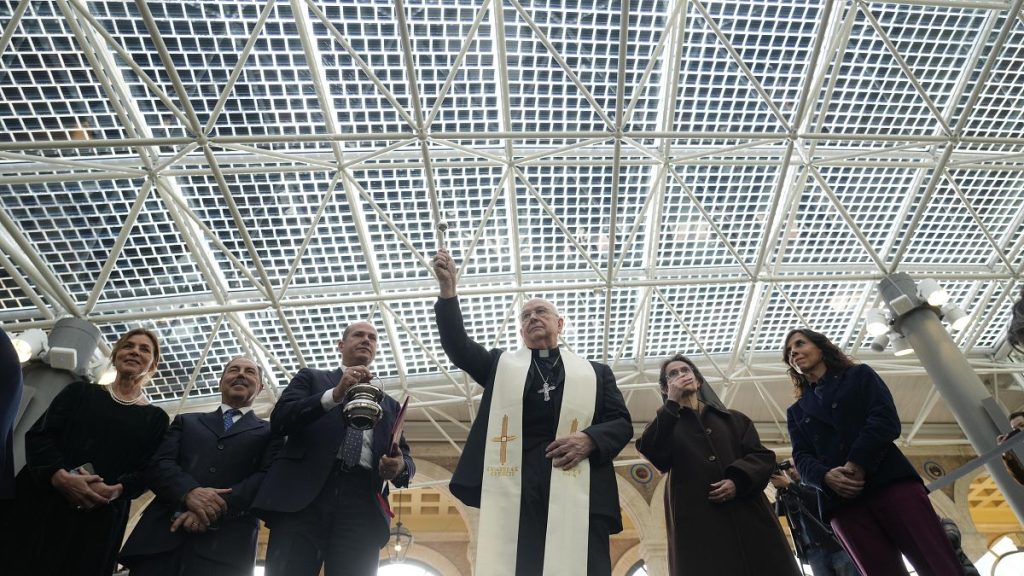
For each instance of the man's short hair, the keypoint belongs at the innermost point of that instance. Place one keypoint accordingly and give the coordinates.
(1018, 414)
(259, 369)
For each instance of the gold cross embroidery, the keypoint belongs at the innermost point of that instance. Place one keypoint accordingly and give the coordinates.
(575, 426)
(505, 438)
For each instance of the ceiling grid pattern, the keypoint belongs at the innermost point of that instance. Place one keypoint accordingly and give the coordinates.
(276, 169)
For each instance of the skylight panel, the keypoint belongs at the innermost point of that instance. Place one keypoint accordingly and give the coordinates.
(48, 89)
(936, 42)
(371, 29)
(872, 94)
(73, 227)
(831, 308)
(438, 34)
(12, 297)
(712, 313)
(775, 40)
(580, 197)
(999, 112)
(876, 199)
(947, 233)
(464, 197)
(542, 97)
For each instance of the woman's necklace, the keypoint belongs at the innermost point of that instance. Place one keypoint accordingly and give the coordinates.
(121, 401)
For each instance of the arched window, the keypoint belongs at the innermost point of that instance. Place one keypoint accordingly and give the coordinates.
(407, 568)
(638, 569)
(1004, 558)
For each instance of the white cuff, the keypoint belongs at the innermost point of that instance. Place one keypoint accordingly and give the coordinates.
(327, 400)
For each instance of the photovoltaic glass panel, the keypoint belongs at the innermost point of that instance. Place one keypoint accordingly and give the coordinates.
(438, 33)
(826, 307)
(877, 199)
(736, 199)
(371, 30)
(775, 40)
(947, 222)
(819, 234)
(12, 297)
(74, 227)
(999, 111)
(936, 43)
(714, 96)
(50, 90)
(871, 89)
(712, 314)
(541, 96)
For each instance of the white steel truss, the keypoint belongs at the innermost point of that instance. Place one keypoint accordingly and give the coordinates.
(248, 176)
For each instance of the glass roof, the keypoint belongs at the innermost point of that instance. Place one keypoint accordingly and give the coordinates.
(247, 177)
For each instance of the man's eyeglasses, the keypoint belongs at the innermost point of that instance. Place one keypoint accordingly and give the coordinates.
(539, 313)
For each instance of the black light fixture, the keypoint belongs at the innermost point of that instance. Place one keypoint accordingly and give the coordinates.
(400, 541)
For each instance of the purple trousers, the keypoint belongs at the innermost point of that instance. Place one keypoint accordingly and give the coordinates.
(898, 519)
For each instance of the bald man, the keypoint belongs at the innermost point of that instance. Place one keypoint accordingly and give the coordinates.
(538, 459)
(321, 498)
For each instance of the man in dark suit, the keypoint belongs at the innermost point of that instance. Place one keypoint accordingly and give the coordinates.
(322, 497)
(205, 475)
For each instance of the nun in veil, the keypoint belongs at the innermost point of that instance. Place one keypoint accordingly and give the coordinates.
(716, 513)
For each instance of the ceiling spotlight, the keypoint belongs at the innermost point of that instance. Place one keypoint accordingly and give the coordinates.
(955, 315)
(900, 346)
(931, 291)
(29, 344)
(875, 322)
(880, 342)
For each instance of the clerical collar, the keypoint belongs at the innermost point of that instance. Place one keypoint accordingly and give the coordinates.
(545, 353)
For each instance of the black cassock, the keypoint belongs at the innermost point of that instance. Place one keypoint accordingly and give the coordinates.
(610, 431)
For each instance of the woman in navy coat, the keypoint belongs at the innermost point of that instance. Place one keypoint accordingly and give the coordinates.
(842, 426)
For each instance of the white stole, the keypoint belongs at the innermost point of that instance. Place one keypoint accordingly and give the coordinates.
(569, 502)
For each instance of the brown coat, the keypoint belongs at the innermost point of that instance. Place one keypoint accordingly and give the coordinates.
(741, 537)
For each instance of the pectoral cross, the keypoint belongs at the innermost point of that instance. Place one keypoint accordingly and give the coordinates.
(546, 390)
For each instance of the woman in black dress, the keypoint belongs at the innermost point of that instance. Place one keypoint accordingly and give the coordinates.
(716, 514)
(82, 471)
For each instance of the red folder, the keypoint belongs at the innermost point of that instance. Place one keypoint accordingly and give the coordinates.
(393, 450)
(396, 430)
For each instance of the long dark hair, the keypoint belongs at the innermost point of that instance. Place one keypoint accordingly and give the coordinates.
(834, 358)
(663, 379)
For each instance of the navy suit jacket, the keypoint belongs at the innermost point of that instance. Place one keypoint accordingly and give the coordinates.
(197, 452)
(856, 421)
(314, 436)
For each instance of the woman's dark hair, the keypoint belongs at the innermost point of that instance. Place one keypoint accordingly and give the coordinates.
(663, 379)
(834, 358)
